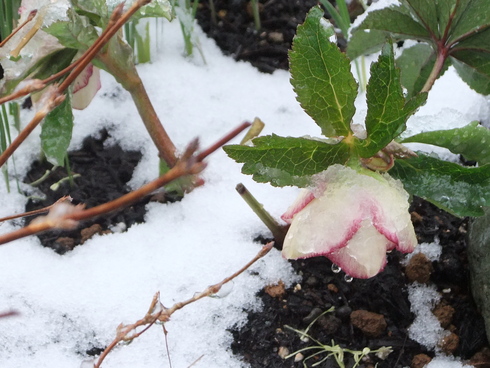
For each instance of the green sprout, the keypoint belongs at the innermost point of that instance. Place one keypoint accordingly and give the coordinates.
(333, 350)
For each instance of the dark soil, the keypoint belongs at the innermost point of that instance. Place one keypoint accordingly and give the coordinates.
(98, 174)
(104, 172)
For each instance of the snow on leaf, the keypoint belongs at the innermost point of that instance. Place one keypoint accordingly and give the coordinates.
(286, 161)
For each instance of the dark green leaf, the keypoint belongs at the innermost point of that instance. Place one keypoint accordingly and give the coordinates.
(471, 16)
(395, 20)
(462, 191)
(415, 64)
(471, 141)
(478, 41)
(474, 68)
(77, 33)
(365, 42)
(321, 77)
(56, 132)
(426, 12)
(287, 161)
(387, 110)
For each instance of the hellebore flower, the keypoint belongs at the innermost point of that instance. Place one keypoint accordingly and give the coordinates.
(353, 218)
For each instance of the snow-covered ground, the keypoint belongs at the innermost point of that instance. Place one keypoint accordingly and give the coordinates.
(67, 303)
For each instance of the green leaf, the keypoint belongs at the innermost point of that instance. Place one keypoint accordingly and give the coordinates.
(321, 77)
(462, 191)
(286, 161)
(387, 110)
(365, 42)
(56, 132)
(95, 10)
(471, 141)
(415, 64)
(474, 68)
(397, 21)
(77, 33)
(155, 9)
(471, 16)
(426, 12)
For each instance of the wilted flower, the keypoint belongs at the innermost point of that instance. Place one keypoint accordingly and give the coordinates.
(353, 218)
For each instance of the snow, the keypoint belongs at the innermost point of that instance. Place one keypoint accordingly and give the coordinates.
(70, 303)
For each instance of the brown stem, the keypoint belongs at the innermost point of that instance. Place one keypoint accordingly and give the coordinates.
(131, 81)
(31, 16)
(163, 315)
(52, 101)
(190, 164)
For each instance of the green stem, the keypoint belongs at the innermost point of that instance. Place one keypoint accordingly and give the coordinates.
(278, 231)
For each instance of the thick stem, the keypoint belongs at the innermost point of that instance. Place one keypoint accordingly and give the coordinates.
(436, 70)
(277, 230)
(131, 82)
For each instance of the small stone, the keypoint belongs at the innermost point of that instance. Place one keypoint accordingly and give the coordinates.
(283, 352)
(276, 291)
(343, 312)
(276, 37)
(371, 324)
(298, 357)
(420, 361)
(419, 268)
(450, 343)
(333, 288)
(444, 314)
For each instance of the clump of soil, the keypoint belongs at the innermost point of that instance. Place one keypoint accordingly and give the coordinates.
(98, 175)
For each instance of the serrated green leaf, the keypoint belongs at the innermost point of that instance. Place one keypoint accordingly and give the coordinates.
(387, 110)
(471, 16)
(462, 191)
(365, 42)
(426, 12)
(474, 68)
(56, 132)
(77, 33)
(286, 161)
(395, 20)
(472, 141)
(321, 77)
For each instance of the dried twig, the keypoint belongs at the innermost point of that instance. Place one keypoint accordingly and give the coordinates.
(66, 217)
(158, 313)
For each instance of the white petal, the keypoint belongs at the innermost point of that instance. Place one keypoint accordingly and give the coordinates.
(364, 255)
(85, 87)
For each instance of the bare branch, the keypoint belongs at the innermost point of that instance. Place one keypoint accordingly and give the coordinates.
(158, 313)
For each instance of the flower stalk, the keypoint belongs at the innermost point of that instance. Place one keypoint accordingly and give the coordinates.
(278, 231)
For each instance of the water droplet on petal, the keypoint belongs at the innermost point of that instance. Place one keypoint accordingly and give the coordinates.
(335, 268)
(348, 278)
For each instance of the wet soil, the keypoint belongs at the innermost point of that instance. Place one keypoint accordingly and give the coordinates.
(367, 313)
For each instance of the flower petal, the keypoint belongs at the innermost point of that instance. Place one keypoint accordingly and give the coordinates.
(364, 256)
(305, 197)
(85, 87)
